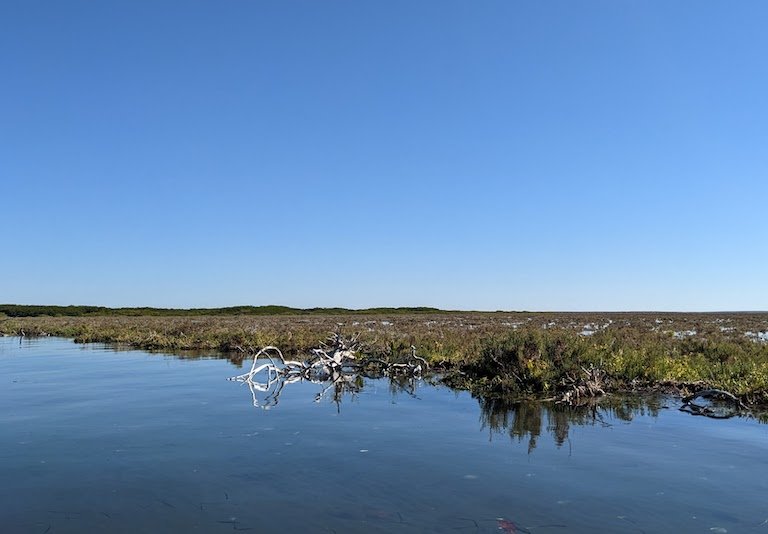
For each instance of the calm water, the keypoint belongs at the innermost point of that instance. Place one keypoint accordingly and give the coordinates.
(94, 440)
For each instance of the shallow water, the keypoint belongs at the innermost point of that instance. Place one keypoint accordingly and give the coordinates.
(93, 440)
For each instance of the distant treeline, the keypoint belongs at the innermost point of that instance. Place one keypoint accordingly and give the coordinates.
(21, 310)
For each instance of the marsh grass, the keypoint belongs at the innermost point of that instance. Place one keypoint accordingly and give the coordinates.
(504, 354)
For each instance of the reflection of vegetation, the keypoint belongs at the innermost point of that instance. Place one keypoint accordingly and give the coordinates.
(521, 354)
(525, 419)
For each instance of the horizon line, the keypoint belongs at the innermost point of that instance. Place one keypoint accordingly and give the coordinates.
(424, 309)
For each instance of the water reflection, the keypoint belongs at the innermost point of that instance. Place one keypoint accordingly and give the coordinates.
(266, 394)
(520, 419)
(527, 419)
(267, 386)
(103, 458)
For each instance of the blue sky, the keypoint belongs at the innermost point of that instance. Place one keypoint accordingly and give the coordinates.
(467, 155)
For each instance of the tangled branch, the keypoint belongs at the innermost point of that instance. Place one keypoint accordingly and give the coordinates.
(718, 404)
(588, 386)
(335, 364)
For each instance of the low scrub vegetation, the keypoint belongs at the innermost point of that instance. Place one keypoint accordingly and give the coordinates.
(520, 354)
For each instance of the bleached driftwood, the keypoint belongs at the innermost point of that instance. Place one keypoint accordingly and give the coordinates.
(335, 364)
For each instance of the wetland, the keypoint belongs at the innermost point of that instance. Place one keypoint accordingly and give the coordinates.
(97, 438)
(517, 354)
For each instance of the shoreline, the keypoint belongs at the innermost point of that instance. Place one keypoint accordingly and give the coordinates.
(507, 354)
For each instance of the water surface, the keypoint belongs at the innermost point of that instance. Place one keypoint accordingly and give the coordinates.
(93, 439)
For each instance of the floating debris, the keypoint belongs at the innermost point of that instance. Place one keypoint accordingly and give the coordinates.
(714, 403)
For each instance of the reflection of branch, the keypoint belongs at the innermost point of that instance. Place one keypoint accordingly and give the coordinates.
(404, 384)
(320, 395)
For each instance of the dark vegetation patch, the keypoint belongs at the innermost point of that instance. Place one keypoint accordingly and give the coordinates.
(22, 310)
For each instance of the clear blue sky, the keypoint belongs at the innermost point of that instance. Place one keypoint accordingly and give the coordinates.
(536, 155)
